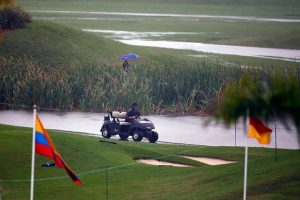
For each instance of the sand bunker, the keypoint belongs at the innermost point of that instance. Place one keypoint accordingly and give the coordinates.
(206, 160)
(210, 161)
(161, 163)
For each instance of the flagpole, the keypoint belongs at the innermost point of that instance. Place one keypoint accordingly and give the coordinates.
(235, 133)
(33, 154)
(275, 142)
(106, 183)
(246, 158)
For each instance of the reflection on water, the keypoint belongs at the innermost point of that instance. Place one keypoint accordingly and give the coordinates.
(129, 35)
(181, 129)
(272, 53)
(177, 16)
(146, 39)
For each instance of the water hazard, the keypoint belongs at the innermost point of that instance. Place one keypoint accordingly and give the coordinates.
(272, 53)
(146, 39)
(180, 129)
(219, 17)
(153, 39)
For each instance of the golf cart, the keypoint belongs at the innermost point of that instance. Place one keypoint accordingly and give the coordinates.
(115, 124)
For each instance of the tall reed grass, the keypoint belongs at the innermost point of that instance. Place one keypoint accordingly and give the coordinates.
(169, 87)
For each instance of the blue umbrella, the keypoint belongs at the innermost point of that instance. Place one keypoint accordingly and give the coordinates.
(130, 56)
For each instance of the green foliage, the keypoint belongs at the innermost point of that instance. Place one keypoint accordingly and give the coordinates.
(105, 87)
(13, 18)
(167, 88)
(274, 96)
(283, 98)
(68, 69)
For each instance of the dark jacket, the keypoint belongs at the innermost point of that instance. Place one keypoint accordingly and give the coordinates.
(132, 114)
(125, 65)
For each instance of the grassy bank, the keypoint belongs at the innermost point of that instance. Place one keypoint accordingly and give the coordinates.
(263, 8)
(270, 34)
(213, 31)
(61, 68)
(165, 88)
(52, 44)
(105, 87)
(129, 180)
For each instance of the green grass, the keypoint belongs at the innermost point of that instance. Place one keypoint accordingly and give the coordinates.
(58, 67)
(106, 87)
(263, 8)
(52, 44)
(172, 87)
(128, 180)
(275, 35)
(215, 31)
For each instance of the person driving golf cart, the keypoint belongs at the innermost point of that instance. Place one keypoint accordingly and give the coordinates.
(134, 126)
(133, 112)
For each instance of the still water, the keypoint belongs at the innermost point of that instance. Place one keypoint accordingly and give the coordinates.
(259, 52)
(177, 16)
(177, 129)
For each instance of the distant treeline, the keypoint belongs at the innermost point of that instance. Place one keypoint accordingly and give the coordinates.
(165, 88)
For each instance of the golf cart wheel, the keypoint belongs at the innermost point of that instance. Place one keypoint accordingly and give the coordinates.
(137, 136)
(105, 132)
(153, 137)
(123, 136)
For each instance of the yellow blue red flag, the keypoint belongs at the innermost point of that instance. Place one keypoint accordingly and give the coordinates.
(45, 147)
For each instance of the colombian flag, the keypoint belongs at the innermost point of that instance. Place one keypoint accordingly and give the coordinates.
(45, 147)
(258, 130)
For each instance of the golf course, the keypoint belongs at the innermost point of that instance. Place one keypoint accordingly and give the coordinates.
(66, 58)
(57, 47)
(128, 179)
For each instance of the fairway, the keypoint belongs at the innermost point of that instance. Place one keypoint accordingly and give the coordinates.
(248, 23)
(128, 179)
(263, 8)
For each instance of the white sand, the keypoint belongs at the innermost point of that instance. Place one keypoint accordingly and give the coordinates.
(206, 160)
(210, 161)
(161, 163)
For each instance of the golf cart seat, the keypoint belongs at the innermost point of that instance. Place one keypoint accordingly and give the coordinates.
(117, 114)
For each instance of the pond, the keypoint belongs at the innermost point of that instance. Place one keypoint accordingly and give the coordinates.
(191, 17)
(147, 39)
(156, 39)
(271, 53)
(171, 129)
